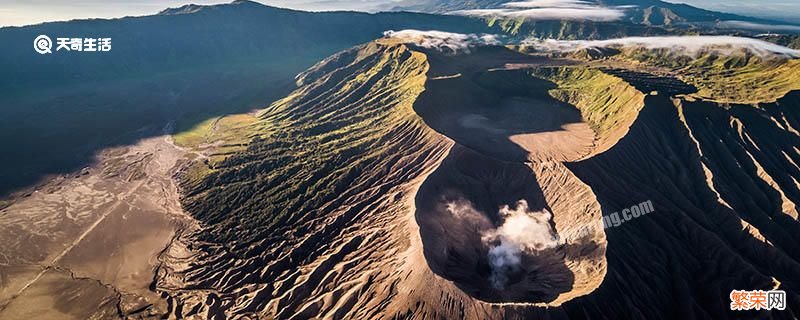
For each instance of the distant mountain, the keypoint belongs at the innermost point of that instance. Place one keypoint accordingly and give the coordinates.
(192, 36)
(656, 12)
(647, 12)
(185, 64)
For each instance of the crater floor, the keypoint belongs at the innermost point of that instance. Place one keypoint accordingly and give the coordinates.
(504, 124)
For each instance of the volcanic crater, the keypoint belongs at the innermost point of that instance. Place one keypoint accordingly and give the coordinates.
(511, 139)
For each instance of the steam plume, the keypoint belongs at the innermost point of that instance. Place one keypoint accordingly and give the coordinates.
(522, 231)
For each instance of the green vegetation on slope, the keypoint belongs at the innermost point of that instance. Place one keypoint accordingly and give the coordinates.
(351, 122)
(608, 103)
(218, 137)
(735, 77)
(574, 30)
(743, 79)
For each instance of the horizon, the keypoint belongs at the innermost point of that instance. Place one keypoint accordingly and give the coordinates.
(36, 12)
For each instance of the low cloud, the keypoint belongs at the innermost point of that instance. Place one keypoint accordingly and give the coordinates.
(549, 3)
(684, 45)
(733, 24)
(446, 42)
(577, 10)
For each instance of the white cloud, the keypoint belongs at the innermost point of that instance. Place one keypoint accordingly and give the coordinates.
(548, 3)
(446, 42)
(733, 24)
(550, 10)
(685, 45)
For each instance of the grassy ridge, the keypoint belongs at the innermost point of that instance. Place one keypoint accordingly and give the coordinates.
(608, 103)
(342, 131)
(574, 30)
(736, 77)
(743, 79)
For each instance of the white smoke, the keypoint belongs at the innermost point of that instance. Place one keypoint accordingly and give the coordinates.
(684, 45)
(446, 42)
(522, 231)
(550, 10)
(462, 209)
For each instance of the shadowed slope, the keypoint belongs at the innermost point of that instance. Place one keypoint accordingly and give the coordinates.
(502, 113)
(695, 248)
(338, 208)
(322, 224)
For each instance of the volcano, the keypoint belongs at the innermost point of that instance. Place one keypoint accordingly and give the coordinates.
(378, 180)
(337, 169)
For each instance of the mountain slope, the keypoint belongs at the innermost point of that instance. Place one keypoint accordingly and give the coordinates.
(184, 65)
(346, 144)
(355, 199)
(391, 180)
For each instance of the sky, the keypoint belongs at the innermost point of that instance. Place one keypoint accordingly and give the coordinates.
(16, 13)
